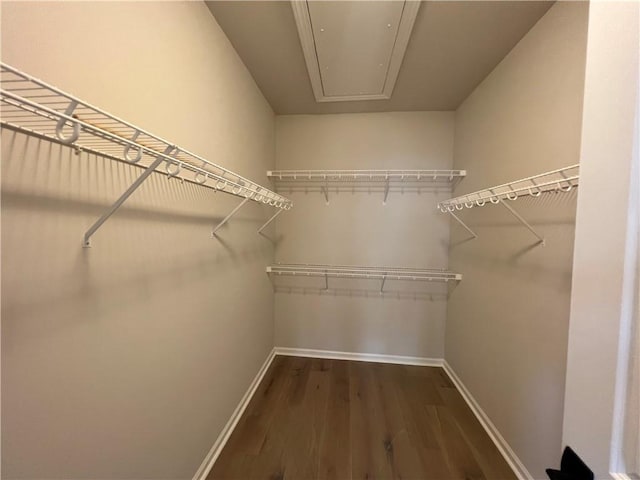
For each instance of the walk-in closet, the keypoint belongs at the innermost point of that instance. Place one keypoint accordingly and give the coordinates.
(317, 239)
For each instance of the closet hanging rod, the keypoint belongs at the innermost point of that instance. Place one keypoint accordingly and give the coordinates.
(366, 175)
(33, 107)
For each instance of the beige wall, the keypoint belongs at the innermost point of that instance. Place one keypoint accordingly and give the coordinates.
(605, 272)
(507, 322)
(126, 360)
(356, 229)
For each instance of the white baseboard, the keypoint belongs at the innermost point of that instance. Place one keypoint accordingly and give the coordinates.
(507, 452)
(360, 357)
(222, 439)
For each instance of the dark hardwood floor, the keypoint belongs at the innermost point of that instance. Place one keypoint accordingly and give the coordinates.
(334, 419)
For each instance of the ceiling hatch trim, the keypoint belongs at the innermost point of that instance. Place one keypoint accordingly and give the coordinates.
(302, 15)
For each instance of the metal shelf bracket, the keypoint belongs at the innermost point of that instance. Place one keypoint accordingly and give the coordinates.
(523, 221)
(118, 203)
(386, 191)
(464, 225)
(325, 191)
(269, 221)
(228, 217)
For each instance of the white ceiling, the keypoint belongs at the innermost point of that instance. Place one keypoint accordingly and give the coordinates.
(453, 47)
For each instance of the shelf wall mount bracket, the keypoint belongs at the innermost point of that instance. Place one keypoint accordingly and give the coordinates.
(123, 198)
(386, 191)
(523, 221)
(463, 224)
(269, 221)
(228, 217)
(325, 190)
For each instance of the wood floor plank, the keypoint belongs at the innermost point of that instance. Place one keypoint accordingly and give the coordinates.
(270, 463)
(300, 369)
(361, 421)
(334, 419)
(335, 447)
(306, 429)
(402, 456)
(458, 455)
(415, 416)
(421, 432)
(421, 389)
(487, 455)
(248, 435)
(263, 408)
(441, 378)
(370, 441)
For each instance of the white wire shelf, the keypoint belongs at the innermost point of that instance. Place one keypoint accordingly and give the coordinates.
(384, 180)
(358, 272)
(367, 175)
(562, 180)
(33, 107)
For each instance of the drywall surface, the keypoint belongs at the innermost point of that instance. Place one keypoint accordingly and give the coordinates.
(605, 274)
(507, 322)
(125, 360)
(355, 228)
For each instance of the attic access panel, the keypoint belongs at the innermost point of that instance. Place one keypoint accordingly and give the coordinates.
(354, 49)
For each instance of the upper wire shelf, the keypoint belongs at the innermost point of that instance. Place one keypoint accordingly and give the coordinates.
(367, 175)
(382, 180)
(556, 181)
(560, 180)
(33, 107)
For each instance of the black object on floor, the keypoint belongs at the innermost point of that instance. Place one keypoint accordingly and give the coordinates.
(571, 468)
